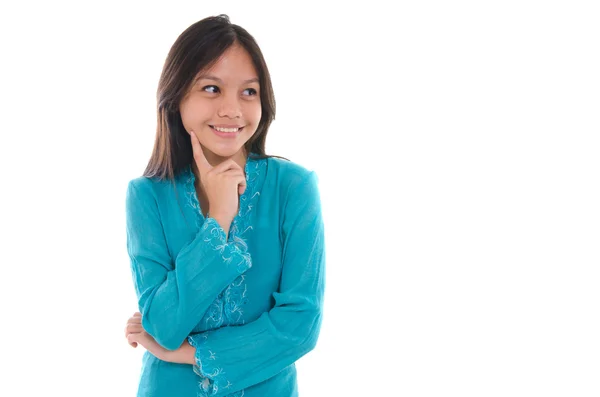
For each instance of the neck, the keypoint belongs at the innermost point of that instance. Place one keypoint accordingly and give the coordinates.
(240, 158)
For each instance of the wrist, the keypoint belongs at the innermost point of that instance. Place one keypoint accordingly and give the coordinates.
(223, 220)
(187, 354)
(218, 215)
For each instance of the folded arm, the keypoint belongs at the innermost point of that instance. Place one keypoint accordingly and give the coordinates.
(174, 295)
(232, 358)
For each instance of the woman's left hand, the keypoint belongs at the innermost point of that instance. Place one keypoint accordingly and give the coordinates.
(135, 334)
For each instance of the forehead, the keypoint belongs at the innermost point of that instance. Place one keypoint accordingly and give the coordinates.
(235, 65)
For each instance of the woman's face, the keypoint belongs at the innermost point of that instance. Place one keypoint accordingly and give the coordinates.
(223, 105)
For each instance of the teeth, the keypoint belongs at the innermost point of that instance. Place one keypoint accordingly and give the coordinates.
(226, 129)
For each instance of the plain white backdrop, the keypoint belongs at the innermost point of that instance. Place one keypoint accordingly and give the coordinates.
(458, 154)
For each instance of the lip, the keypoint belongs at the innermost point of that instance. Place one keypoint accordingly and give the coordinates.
(226, 125)
(229, 135)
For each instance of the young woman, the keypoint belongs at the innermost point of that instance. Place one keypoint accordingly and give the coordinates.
(226, 243)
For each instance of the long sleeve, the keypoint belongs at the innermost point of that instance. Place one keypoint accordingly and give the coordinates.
(232, 358)
(173, 295)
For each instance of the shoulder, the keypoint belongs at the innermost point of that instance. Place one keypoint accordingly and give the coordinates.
(297, 183)
(142, 187)
(290, 174)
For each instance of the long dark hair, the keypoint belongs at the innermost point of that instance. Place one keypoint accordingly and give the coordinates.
(198, 48)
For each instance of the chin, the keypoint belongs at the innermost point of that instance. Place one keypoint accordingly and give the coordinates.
(225, 151)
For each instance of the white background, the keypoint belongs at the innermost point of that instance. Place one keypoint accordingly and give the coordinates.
(458, 155)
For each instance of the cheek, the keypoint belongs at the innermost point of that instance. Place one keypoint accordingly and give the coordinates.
(193, 112)
(184, 111)
(254, 112)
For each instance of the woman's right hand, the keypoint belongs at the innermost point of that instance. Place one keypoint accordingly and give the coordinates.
(222, 184)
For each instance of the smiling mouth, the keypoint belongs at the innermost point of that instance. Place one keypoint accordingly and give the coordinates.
(226, 130)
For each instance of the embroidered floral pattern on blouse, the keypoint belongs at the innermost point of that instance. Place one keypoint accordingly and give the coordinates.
(227, 308)
(212, 377)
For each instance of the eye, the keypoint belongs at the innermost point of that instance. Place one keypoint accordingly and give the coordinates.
(251, 91)
(213, 89)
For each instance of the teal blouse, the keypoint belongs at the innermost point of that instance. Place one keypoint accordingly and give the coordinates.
(250, 302)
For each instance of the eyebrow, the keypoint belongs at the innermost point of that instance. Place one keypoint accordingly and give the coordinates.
(218, 80)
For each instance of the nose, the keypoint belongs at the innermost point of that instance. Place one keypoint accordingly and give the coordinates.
(229, 107)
